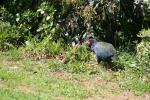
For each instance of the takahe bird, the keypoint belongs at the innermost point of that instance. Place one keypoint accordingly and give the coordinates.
(104, 51)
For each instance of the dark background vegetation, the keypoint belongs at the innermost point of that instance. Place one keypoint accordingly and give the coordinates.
(47, 28)
(117, 22)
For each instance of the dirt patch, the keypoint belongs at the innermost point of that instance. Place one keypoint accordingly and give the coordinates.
(61, 98)
(61, 74)
(126, 95)
(94, 81)
(111, 96)
(109, 91)
(10, 64)
(147, 96)
(25, 88)
(101, 89)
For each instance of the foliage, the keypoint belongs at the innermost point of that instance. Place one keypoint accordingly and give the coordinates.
(146, 9)
(78, 53)
(44, 49)
(9, 36)
(143, 48)
(17, 25)
(45, 27)
(39, 22)
(112, 21)
(103, 19)
(127, 60)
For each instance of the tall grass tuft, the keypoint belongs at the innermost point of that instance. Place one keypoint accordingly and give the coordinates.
(42, 49)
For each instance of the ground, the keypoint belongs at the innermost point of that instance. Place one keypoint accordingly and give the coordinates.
(34, 80)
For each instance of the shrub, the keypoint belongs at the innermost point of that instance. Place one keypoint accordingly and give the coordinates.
(143, 49)
(78, 53)
(39, 22)
(16, 25)
(9, 36)
(45, 26)
(46, 48)
(126, 61)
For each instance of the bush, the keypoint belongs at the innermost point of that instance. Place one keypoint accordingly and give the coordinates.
(125, 61)
(45, 26)
(143, 49)
(78, 53)
(16, 26)
(46, 48)
(70, 20)
(9, 36)
(39, 22)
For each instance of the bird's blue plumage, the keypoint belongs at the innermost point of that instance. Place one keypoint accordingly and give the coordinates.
(104, 51)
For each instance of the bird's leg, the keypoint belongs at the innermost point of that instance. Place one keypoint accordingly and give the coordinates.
(106, 65)
(98, 61)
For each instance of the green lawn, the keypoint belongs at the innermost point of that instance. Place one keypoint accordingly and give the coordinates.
(24, 79)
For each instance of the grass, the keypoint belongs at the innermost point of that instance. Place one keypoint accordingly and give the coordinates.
(26, 79)
(138, 87)
(32, 80)
(38, 86)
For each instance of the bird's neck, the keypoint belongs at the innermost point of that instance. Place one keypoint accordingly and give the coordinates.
(92, 46)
